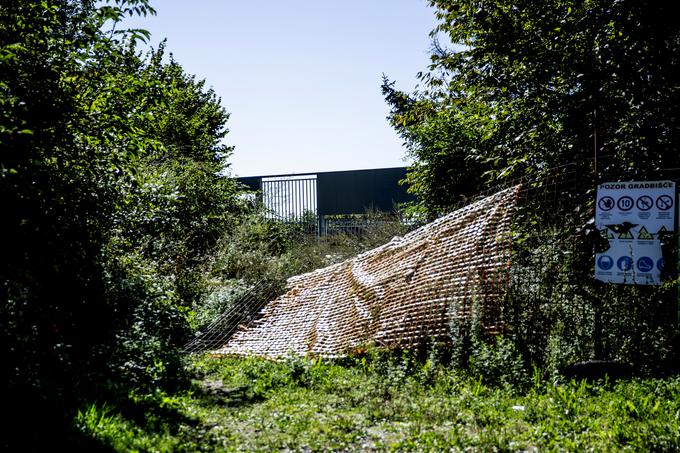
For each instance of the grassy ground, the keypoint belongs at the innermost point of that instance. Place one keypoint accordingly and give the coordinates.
(385, 403)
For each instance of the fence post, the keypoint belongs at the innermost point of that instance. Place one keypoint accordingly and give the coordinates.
(322, 225)
(677, 257)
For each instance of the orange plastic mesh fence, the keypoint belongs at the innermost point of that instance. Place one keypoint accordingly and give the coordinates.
(402, 294)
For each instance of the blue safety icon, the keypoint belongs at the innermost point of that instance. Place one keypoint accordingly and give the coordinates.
(625, 263)
(645, 264)
(659, 264)
(605, 262)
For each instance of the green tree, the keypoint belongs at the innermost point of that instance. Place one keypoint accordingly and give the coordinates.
(181, 200)
(536, 84)
(58, 192)
(111, 179)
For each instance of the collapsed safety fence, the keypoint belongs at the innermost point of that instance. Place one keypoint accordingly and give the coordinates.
(243, 311)
(545, 300)
(402, 294)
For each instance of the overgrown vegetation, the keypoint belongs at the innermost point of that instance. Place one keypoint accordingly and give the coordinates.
(559, 95)
(384, 401)
(558, 315)
(122, 236)
(112, 194)
(515, 89)
(260, 253)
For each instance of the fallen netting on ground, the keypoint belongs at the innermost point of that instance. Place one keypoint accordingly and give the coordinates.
(402, 294)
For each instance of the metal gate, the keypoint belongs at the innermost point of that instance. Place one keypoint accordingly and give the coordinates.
(331, 201)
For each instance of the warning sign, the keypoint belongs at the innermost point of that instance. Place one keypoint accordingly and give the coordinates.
(631, 215)
(626, 235)
(607, 234)
(645, 235)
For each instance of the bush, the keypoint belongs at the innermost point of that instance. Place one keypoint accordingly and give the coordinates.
(499, 363)
(558, 314)
(254, 259)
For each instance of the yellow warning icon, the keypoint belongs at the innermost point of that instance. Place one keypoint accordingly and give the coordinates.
(607, 234)
(661, 230)
(644, 234)
(626, 235)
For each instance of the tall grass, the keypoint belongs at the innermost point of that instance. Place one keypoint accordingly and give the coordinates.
(391, 401)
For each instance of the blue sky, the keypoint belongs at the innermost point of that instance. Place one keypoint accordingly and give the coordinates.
(301, 78)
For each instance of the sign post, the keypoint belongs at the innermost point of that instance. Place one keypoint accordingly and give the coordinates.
(633, 216)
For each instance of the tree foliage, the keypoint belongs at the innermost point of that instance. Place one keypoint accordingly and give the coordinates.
(113, 189)
(531, 85)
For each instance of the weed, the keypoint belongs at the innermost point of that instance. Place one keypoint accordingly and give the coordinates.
(389, 401)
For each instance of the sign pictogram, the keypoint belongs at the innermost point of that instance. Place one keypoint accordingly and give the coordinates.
(664, 202)
(607, 234)
(644, 203)
(626, 235)
(606, 203)
(633, 217)
(625, 263)
(645, 264)
(605, 262)
(625, 203)
(644, 234)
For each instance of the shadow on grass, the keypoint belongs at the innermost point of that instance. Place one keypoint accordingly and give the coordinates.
(214, 392)
(153, 415)
(38, 424)
(159, 415)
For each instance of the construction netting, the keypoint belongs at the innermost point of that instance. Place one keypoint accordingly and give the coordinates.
(402, 294)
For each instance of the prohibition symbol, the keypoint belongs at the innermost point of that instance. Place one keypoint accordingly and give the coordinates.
(645, 203)
(626, 203)
(606, 203)
(664, 202)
